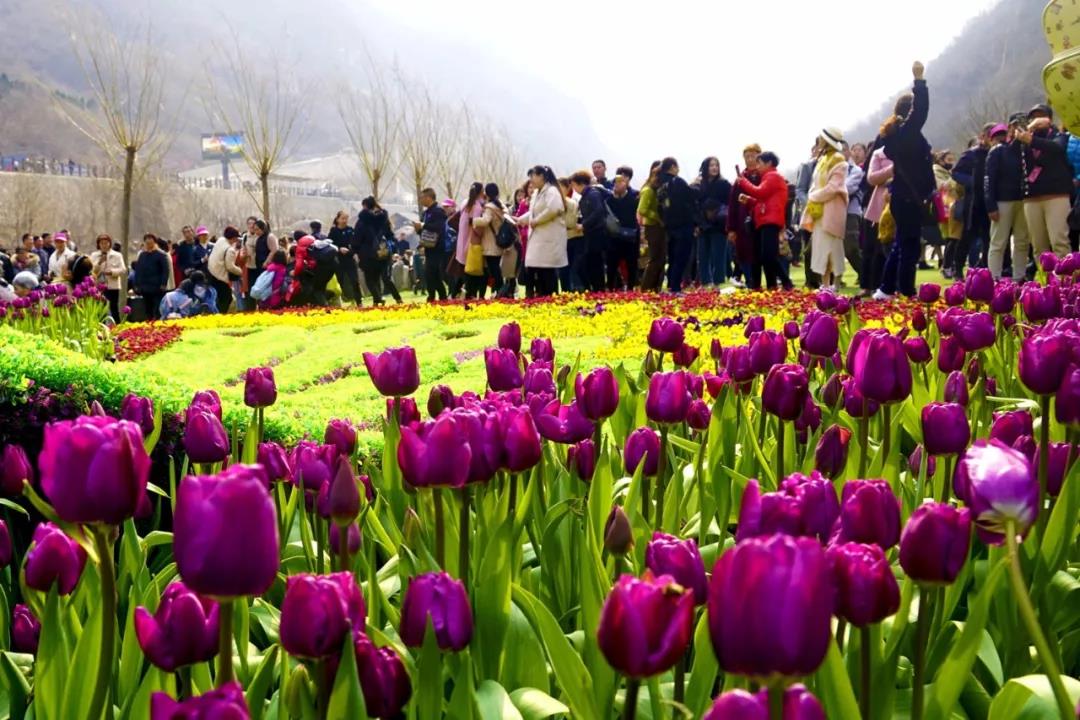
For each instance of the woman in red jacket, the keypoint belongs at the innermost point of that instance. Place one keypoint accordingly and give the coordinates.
(769, 205)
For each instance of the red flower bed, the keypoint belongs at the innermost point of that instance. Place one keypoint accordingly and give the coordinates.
(139, 340)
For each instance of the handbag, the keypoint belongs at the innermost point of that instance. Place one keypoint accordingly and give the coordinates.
(474, 259)
(429, 239)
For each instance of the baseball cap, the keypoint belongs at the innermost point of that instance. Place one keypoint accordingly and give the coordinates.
(999, 129)
(1041, 109)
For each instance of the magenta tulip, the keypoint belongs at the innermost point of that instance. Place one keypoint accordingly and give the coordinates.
(225, 703)
(564, 424)
(866, 589)
(935, 543)
(440, 600)
(182, 631)
(15, 468)
(25, 630)
(999, 484)
(668, 398)
(53, 558)
(666, 335)
(668, 555)
(597, 393)
(645, 625)
(510, 337)
(260, 390)
(394, 371)
(642, 443)
(318, 612)
(434, 454)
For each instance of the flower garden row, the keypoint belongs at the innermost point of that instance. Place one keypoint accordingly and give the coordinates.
(817, 520)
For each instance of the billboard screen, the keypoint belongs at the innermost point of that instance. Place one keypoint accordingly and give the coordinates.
(216, 146)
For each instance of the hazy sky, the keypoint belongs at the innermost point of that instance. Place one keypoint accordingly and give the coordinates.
(699, 77)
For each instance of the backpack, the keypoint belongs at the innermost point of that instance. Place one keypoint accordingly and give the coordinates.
(325, 257)
(263, 287)
(506, 235)
(611, 223)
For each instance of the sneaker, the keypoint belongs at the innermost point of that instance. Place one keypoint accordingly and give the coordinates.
(879, 295)
(738, 283)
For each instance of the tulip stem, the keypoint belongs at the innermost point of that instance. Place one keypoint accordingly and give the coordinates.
(841, 631)
(864, 441)
(865, 676)
(512, 490)
(922, 632)
(776, 701)
(259, 412)
(107, 571)
(440, 529)
(680, 679)
(183, 677)
(1027, 612)
(661, 477)
(779, 451)
(463, 542)
(1044, 459)
(946, 482)
(343, 548)
(886, 430)
(225, 628)
(629, 709)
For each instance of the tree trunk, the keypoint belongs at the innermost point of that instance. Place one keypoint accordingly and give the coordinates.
(375, 177)
(125, 216)
(419, 207)
(264, 181)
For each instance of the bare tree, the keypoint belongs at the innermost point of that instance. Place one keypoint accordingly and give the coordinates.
(453, 148)
(24, 203)
(373, 119)
(258, 99)
(127, 82)
(419, 136)
(498, 160)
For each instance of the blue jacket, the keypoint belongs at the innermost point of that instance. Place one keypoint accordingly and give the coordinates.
(1072, 151)
(1004, 177)
(152, 270)
(910, 152)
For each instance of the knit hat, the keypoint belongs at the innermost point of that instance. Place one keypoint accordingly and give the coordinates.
(449, 204)
(999, 129)
(834, 137)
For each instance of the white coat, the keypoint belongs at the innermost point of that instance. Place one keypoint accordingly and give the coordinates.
(546, 247)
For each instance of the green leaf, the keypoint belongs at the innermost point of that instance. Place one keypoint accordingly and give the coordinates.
(703, 673)
(51, 665)
(346, 697)
(150, 442)
(131, 655)
(429, 668)
(155, 680)
(520, 667)
(15, 687)
(263, 678)
(83, 670)
(953, 673)
(492, 598)
(834, 686)
(1060, 530)
(570, 671)
(14, 506)
(536, 705)
(1030, 698)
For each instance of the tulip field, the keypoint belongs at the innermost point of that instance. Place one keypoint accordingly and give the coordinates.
(756, 506)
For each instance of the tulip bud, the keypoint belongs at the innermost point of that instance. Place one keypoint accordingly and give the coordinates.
(642, 443)
(538, 380)
(1004, 298)
(298, 692)
(915, 462)
(25, 630)
(716, 350)
(685, 356)
(999, 485)
(412, 527)
(754, 635)
(755, 324)
(881, 369)
(344, 495)
(312, 464)
(404, 408)
(317, 613)
(1059, 459)
(205, 439)
(935, 543)
(139, 410)
(442, 599)
(699, 416)
(581, 459)
(183, 630)
(869, 513)
(597, 393)
(666, 335)
(954, 295)
(785, 391)
(820, 334)
(541, 349)
(866, 590)
(53, 557)
(521, 439)
(564, 372)
(830, 456)
(831, 392)
(956, 389)
(15, 468)
(951, 355)
(618, 535)
(668, 555)
(1044, 358)
(737, 364)
(929, 293)
(6, 550)
(979, 285)
(510, 337)
(394, 371)
(441, 398)
(668, 398)
(226, 701)
(260, 390)
(1040, 303)
(231, 512)
(503, 369)
(918, 320)
(383, 678)
(917, 349)
(273, 459)
(945, 428)
(767, 348)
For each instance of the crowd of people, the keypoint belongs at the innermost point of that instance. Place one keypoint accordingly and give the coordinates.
(886, 209)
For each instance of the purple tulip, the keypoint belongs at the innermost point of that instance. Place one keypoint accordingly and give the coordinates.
(935, 543)
(1048, 261)
(915, 462)
(956, 388)
(918, 320)
(1060, 458)
(25, 630)
(274, 460)
(830, 456)
(855, 404)
(205, 439)
(503, 369)
(6, 551)
(225, 703)
(581, 459)
(1008, 426)
(521, 440)
(394, 371)
(869, 513)
(53, 557)
(799, 704)
(767, 348)
(483, 435)
(208, 399)
(597, 393)
(541, 350)
(312, 464)
(929, 293)
(668, 398)
(917, 349)
(1067, 401)
(945, 428)
(716, 350)
(951, 355)
(1044, 359)
(225, 535)
(738, 365)
(751, 632)
(755, 324)
(881, 368)
(343, 493)
(440, 398)
(441, 600)
(618, 535)
(668, 555)
(260, 390)
(563, 424)
(642, 443)
(832, 391)
(666, 335)
(317, 613)
(866, 589)
(139, 410)
(791, 330)
(341, 433)
(820, 334)
(94, 469)
(434, 455)
(803, 506)
(383, 679)
(785, 391)
(699, 415)
(538, 380)
(1004, 299)
(954, 295)
(685, 356)
(979, 285)
(1040, 303)
(999, 485)
(183, 630)
(15, 468)
(645, 625)
(510, 337)
(976, 331)
(352, 539)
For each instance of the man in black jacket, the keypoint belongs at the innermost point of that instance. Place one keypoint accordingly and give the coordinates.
(1004, 193)
(593, 208)
(1048, 182)
(677, 210)
(625, 249)
(970, 172)
(432, 227)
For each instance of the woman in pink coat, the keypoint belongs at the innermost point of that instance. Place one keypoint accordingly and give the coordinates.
(879, 174)
(826, 212)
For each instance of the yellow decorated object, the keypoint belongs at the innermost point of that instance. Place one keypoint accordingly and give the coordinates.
(1061, 76)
